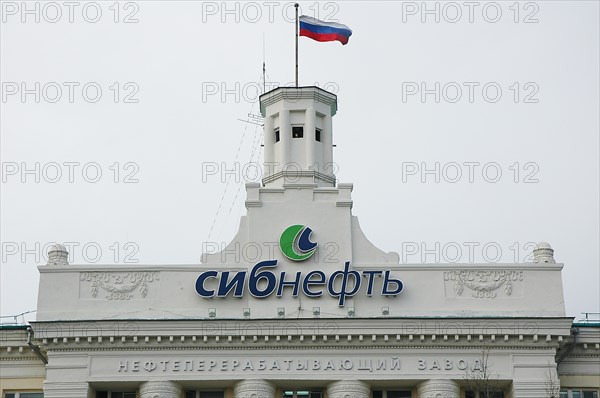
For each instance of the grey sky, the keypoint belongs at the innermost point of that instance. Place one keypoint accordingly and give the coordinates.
(187, 71)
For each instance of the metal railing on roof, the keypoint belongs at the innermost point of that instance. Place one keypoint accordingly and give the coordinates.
(590, 317)
(15, 320)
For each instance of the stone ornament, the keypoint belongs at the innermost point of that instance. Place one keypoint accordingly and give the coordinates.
(254, 389)
(348, 389)
(543, 253)
(438, 389)
(160, 389)
(484, 283)
(58, 255)
(120, 285)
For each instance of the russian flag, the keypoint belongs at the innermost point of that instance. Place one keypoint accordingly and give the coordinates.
(324, 31)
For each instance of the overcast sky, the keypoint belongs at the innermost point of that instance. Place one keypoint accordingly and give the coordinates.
(498, 100)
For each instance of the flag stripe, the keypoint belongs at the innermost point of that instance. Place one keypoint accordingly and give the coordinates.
(324, 37)
(315, 21)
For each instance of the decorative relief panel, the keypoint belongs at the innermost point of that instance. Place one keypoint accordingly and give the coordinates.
(118, 285)
(483, 284)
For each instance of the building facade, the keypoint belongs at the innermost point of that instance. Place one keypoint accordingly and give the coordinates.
(302, 305)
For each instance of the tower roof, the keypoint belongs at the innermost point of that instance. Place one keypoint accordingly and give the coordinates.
(296, 93)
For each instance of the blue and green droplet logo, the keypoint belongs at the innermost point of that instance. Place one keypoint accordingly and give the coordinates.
(295, 243)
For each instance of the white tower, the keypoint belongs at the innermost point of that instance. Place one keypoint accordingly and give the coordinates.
(298, 143)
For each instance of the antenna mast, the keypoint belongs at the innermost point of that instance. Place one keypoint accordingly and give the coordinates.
(264, 67)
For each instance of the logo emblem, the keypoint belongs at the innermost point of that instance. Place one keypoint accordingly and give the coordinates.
(295, 243)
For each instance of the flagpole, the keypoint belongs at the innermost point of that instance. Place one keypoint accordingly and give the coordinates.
(296, 5)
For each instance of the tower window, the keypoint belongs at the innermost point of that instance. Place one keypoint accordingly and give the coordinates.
(317, 135)
(276, 135)
(297, 132)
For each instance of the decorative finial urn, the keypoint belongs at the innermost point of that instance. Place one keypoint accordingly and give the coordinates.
(58, 255)
(543, 253)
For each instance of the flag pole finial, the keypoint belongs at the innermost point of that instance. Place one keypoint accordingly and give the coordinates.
(296, 5)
